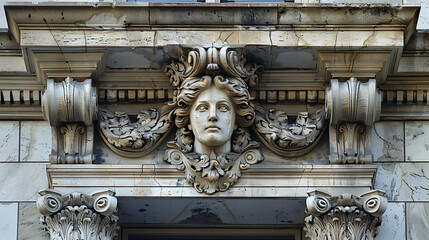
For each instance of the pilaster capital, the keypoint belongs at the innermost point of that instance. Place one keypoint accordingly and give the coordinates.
(334, 217)
(79, 216)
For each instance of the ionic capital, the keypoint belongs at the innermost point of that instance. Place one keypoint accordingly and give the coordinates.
(78, 215)
(344, 216)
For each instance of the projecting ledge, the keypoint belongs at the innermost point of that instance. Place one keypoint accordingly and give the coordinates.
(166, 181)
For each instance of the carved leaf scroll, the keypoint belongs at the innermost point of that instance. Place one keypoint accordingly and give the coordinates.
(210, 174)
(134, 139)
(289, 139)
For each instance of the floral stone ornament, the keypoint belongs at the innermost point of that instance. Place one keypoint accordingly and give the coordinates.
(213, 112)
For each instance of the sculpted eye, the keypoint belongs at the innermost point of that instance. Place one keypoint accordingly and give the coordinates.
(223, 108)
(202, 108)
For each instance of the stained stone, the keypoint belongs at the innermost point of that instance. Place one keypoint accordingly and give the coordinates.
(29, 224)
(388, 141)
(8, 220)
(403, 181)
(417, 221)
(394, 216)
(417, 140)
(36, 141)
(9, 144)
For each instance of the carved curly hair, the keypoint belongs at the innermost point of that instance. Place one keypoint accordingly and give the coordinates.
(235, 88)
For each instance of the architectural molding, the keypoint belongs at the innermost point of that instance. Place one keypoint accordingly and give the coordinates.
(79, 216)
(346, 216)
(70, 108)
(154, 180)
(352, 108)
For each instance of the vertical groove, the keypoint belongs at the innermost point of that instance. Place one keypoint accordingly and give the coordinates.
(19, 141)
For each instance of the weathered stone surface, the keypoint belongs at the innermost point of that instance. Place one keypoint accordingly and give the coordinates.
(8, 220)
(394, 216)
(403, 181)
(388, 141)
(29, 226)
(423, 22)
(22, 181)
(36, 141)
(417, 140)
(9, 144)
(417, 221)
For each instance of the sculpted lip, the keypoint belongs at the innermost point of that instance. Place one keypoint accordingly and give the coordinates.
(212, 127)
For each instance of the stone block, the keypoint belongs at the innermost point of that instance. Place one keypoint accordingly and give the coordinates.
(417, 140)
(417, 220)
(22, 181)
(8, 220)
(388, 141)
(9, 144)
(423, 22)
(36, 141)
(29, 226)
(403, 181)
(393, 222)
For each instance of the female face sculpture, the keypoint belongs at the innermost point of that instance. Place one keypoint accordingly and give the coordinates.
(212, 107)
(212, 119)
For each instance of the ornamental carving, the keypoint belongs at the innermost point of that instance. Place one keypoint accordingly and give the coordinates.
(345, 216)
(212, 114)
(79, 216)
(352, 107)
(70, 107)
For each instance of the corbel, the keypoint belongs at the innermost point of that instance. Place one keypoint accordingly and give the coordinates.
(352, 107)
(70, 107)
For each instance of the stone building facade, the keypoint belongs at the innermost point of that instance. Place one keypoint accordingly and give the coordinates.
(214, 120)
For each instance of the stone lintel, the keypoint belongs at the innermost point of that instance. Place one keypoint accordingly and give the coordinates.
(165, 180)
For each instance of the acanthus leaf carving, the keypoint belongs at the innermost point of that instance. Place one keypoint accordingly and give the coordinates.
(70, 107)
(345, 216)
(211, 173)
(352, 107)
(213, 112)
(289, 139)
(134, 139)
(79, 216)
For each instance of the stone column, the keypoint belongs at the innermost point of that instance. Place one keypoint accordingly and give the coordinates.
(78, 216)
(345, 216)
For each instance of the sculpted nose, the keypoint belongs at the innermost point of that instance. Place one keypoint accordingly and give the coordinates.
(213, 115)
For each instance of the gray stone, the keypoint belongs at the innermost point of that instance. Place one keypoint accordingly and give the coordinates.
(8, 220)
(417, 140)
(403, 181)
(22, 181)
(9, 144)
(29, 225)
(36, 141)
(417, 220)
(388, 141)
(394, 216)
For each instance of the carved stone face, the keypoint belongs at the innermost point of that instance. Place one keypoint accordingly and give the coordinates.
(212, 121)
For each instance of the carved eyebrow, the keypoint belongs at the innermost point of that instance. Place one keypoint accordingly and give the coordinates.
(223, 101)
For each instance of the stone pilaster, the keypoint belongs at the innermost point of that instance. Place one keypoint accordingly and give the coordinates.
(345, 216)
(79, 216)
